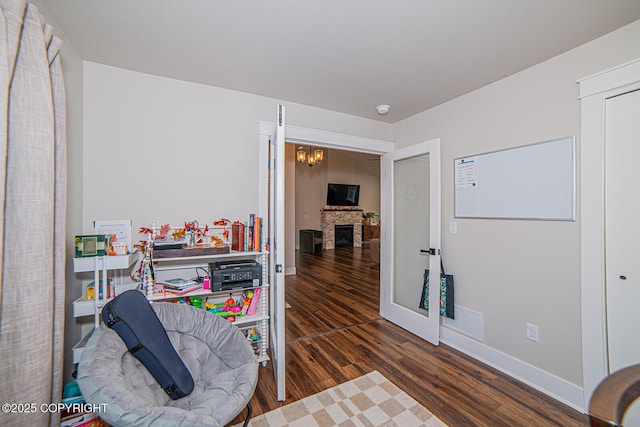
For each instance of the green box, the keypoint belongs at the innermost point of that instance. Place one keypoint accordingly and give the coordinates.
(89, 245)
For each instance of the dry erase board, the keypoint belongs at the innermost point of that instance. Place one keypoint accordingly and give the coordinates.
(536, 181)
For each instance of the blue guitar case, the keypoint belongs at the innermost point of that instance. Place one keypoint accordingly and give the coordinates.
(133, 318)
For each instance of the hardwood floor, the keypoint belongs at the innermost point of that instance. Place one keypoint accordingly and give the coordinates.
(335, 334)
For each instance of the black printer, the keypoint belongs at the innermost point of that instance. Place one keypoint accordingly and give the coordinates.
(238, 274)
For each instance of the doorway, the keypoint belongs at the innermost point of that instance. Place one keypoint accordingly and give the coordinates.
(370, 150)
(310, 189)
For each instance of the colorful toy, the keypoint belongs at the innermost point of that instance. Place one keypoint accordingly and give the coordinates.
(196, 302)
(248, 296)
(254, 339)
(228, 309)
(230, 301)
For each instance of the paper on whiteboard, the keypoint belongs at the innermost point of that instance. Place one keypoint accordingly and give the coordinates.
(466, 172)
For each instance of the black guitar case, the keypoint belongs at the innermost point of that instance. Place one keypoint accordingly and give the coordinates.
(133, 318)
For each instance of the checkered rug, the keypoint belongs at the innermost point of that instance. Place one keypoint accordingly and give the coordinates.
(370, 400)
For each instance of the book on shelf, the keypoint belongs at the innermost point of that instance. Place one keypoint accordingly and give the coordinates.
(252, 219)
(253, 233)
(183, 290)
(257, 228)
(177, 284)
(246, 236)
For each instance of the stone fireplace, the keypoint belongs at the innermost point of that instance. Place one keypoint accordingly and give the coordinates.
(332, 216)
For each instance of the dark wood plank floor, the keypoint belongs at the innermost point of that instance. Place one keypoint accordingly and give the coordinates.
(335, 334)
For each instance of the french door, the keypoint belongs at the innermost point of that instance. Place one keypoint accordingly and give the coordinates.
(410, 240)
(276, 251)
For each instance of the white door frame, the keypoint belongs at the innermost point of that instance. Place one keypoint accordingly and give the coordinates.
(594, 91)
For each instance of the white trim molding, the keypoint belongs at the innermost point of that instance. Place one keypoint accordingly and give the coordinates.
(549, 384)
(609, 80)
(594, 91)
(322, 138)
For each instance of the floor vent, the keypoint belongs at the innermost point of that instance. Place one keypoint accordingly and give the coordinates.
(467, 322)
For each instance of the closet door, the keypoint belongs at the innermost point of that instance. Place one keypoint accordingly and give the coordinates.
(622, 229)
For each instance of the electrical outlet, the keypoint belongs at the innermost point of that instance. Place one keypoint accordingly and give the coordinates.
(532, 332)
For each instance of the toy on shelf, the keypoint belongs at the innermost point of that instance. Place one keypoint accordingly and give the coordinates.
(254, 339)
(248, 296)
(224, 309)
(147, 279)
(90, 290)
(231, 308)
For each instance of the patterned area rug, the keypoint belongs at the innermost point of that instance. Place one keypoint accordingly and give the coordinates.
(370, 400)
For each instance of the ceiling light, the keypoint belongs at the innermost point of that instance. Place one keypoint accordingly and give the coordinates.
(383, 109)
(302, 155)
(311, 157)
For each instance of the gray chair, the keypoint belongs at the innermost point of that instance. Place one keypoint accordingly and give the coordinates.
(221, 362)
(310, 241)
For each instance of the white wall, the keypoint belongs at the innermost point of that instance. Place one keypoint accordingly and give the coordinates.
(170, 151)
(519, 271)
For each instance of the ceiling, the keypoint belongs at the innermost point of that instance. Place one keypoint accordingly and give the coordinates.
(341, 55)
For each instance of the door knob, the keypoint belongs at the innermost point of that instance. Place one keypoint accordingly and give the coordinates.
(623, 277)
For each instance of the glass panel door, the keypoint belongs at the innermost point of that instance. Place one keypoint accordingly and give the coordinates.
(410, 225)
(411, 230)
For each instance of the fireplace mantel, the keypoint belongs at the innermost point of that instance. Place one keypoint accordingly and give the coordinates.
(341, 208)
(331, 216)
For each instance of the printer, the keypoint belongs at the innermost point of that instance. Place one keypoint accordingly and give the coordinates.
(238, 274)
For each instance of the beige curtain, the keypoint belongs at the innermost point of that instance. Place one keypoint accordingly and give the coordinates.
(32, 236)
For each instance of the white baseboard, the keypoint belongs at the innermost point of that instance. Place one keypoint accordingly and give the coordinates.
(290, 271)
(549, 384)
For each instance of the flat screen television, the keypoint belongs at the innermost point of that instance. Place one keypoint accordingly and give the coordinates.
(343, 195)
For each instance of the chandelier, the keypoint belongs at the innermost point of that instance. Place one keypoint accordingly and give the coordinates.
(309, 157)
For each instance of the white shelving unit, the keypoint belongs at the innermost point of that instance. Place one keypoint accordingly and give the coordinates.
(100, 266)
(174, 267)
(186, 267)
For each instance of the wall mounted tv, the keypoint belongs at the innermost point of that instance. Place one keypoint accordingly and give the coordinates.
(343, 195)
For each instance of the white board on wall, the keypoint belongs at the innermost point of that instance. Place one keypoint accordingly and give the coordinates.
(536, 181)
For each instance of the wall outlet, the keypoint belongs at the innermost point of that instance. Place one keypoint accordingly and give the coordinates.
(532, 332)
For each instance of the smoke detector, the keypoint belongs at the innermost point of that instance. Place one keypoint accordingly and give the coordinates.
(382, 109)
